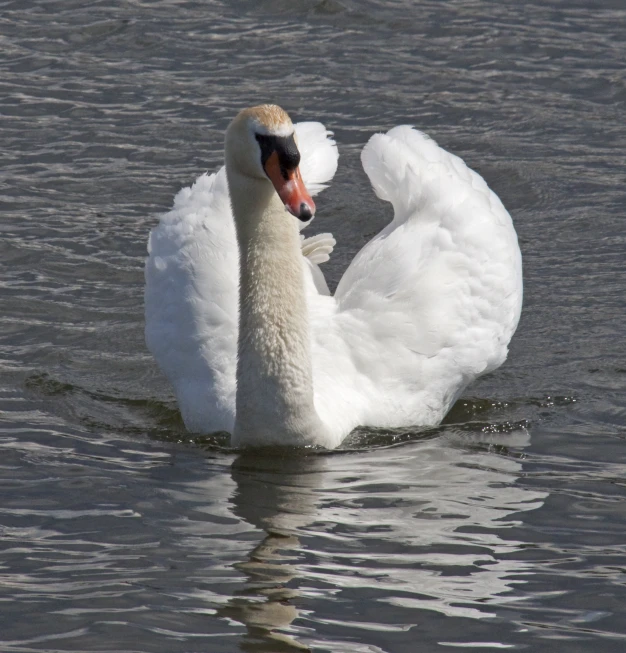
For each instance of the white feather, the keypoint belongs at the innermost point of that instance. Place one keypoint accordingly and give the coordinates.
(426, 306)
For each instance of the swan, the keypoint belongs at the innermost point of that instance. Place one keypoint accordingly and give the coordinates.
(239, 317)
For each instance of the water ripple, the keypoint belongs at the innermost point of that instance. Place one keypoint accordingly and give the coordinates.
(121, 531)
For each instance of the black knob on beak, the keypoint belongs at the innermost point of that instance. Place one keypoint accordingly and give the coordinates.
(305, 213)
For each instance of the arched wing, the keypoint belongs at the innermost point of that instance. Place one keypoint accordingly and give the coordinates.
(191, 300)
(191, 293)
(426, 306)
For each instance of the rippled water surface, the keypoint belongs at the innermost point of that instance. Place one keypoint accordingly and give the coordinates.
(119, 531)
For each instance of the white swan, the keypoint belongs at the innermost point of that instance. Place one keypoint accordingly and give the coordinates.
(429, 304)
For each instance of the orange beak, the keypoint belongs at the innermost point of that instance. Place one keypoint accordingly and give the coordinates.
(290, 189)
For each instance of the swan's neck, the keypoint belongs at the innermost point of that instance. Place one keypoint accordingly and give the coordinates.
(274, 402)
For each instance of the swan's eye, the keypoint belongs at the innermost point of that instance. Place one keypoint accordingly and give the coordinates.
(286, 149)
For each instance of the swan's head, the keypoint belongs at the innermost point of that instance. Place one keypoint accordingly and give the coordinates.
(261, 143)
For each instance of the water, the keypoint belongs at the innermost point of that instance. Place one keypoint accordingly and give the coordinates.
(503, 528)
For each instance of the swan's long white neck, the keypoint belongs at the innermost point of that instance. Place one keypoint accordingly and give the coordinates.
(274, 402)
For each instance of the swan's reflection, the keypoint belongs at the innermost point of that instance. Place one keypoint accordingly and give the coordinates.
(417, 527)
(277, 495)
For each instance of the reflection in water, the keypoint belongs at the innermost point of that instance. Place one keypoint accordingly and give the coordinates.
(419, 527)
(276, 495)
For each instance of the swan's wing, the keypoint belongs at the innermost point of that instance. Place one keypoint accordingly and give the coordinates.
(319, 155)
(191, 300)
(191, 292)
(426, 306)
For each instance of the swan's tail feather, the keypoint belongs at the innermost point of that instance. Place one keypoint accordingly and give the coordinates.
(318, 248)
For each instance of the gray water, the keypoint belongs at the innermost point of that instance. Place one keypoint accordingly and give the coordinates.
(119, 531)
